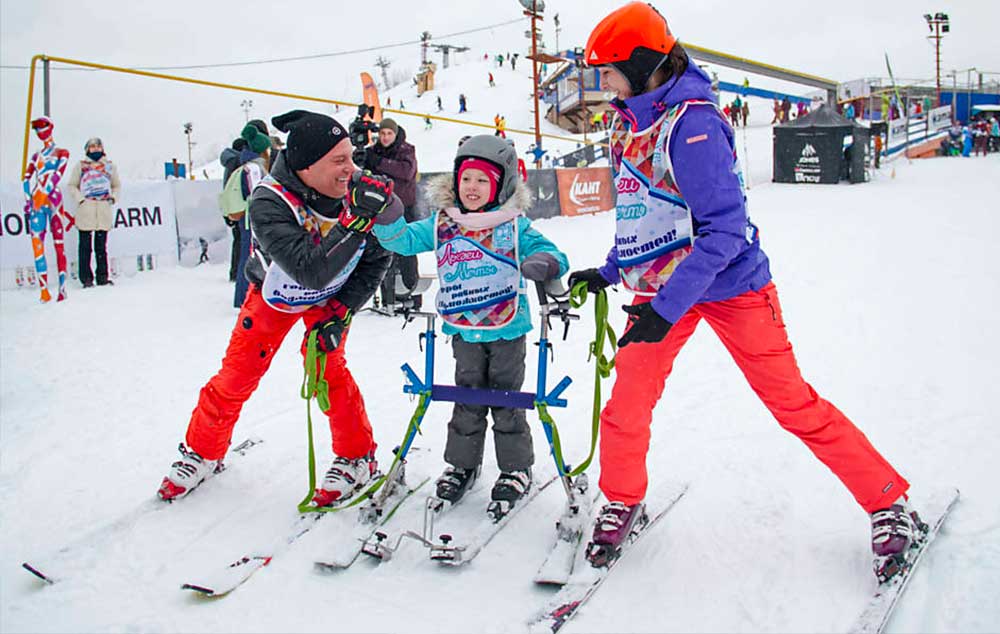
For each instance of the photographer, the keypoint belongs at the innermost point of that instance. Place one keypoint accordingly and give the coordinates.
(392, 156)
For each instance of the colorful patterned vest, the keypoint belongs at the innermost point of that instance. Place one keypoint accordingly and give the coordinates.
(280, 290)
(654, 231)
(478, 272)
(95, 180)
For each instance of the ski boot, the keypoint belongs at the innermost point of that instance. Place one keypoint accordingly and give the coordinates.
(344, 478)
(186, 474)
(454, 482)
(895, 531)
(615, 525)
(510, 487)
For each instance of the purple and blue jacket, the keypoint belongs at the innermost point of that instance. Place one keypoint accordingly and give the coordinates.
(724, 263)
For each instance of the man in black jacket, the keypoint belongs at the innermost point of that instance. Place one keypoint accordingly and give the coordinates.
(392, 156)
(313, 260)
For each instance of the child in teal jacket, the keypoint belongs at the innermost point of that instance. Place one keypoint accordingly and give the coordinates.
(485, 250)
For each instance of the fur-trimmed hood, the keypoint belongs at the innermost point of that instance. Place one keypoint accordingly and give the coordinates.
(441, 194)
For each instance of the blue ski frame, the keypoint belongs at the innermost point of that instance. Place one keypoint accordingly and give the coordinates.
(488, 397)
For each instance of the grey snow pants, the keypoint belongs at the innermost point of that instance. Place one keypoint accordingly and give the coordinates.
(496, 365)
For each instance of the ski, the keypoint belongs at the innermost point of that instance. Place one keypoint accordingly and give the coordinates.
(380, 546)
(570, 527)
(46, 568)
(225, 580)
(876, 615)
(585, 579)
(346, 551)
(484, 532)
(382, 502)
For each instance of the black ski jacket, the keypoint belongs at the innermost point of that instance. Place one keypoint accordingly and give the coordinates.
(278, 237)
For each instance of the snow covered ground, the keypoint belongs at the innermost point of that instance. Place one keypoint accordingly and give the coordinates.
(890, 291)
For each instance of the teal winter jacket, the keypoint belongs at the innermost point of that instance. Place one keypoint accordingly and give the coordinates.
(418, 237)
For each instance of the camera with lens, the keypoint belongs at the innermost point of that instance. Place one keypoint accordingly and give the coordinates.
(360, 131)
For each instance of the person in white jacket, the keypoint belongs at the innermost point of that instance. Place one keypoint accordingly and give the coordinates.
(95, 186)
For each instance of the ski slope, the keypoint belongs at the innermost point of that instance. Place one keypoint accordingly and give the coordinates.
(891, 295)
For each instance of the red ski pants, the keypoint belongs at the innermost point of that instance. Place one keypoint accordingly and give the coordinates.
(258, 333)
(752, 330)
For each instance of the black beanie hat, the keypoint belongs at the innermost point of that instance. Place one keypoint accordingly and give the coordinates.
(310, 136)
(257, 140)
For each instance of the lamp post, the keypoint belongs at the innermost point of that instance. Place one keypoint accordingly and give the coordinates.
(188, 127)
(246, 104)
(938, 25)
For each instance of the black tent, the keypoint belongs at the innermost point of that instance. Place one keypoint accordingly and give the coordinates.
(820, 147)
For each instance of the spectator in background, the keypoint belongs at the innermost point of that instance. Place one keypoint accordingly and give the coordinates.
(995, 134)
(745, 113)
(513, 61)
(230, 160)
(786, 108)
(776, 106)
(95, 186)
(981, 134)
(462, 103)
(392, 156)
(801, 109)
(440, 107)
(878, 149)
(255, 163)
(966, 141)
(492, 84)
(849, 110)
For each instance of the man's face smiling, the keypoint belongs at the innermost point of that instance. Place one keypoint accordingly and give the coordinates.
(331, 174)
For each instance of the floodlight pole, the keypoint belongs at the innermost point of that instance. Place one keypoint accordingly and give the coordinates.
(935, 23)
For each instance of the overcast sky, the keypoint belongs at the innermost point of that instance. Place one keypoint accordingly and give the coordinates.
(141, 120)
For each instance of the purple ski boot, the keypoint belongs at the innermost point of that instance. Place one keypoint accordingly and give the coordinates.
(895, 531)
(615, 524)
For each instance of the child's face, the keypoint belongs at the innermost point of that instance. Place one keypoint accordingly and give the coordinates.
(474, 189)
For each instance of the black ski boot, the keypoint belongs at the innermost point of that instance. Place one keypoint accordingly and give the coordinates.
(454, 482)
(510, 487)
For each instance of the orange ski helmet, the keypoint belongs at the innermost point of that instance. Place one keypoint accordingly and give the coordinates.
(635, 39)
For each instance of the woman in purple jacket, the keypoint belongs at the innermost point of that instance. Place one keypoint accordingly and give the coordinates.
(685, 246)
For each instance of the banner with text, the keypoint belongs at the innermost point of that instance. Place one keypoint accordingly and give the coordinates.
(585, 190)
(144, 223)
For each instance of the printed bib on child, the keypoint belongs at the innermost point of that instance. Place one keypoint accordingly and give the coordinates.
(478, 272)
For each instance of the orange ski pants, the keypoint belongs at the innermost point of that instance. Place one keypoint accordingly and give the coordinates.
(258, 334)
(752, 330)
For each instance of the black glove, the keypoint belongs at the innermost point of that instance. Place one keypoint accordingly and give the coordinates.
(595, 281)
(646, 325)
(367, 196)
(330, 332)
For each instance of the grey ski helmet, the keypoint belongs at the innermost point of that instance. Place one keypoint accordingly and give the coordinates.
(499, 152)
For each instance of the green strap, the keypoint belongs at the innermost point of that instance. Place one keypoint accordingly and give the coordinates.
(602, 370)
(314, 384)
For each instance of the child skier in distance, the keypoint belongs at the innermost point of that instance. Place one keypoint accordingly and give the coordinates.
(484, 246)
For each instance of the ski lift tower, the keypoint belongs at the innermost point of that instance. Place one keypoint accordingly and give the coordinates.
(425, 38)
(445, 49)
